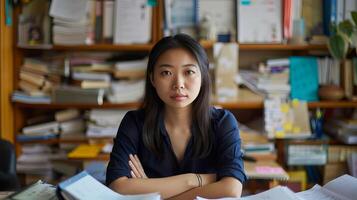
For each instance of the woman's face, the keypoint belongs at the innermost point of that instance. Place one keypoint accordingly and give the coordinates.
(177, 78)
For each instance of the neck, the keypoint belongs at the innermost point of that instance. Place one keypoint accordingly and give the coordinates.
(178, 117)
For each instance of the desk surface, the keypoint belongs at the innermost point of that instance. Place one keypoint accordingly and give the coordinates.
(3, 195)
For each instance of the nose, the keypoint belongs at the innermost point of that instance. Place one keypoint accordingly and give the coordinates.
(178, 83)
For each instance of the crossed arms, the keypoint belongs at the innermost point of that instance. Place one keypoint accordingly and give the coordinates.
(183, 186)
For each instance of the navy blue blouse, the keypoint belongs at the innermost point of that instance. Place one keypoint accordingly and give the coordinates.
(225, 160)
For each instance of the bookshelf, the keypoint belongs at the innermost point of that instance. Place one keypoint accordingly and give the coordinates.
(80, 140)
(230, 105)
(94, 47)
(6, 77)
(147, 47)
(246, 102)
(272, 47)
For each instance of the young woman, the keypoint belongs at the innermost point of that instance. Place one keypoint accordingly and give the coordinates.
(177, 144)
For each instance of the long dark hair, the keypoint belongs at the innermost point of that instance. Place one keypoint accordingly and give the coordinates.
(153, 105)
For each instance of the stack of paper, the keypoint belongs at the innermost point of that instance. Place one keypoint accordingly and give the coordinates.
(36, 160)
(127, 91)
(84, 186)
(104, 123)
(341, 188)
(73, 21)
(133, 69)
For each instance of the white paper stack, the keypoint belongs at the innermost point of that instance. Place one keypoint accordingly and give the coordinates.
(36, 160)
(104, 123)
(73, 21)
(127, 91)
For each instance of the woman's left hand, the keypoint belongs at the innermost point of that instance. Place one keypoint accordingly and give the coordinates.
(137, 170)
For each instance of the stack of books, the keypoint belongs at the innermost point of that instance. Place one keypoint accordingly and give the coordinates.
(126, 91)
(36, 160)
(270, 80)
(256, 145)
(47, 126)
(104, 123)
(133, 69)
(74, 22)
(37, 77)
(344, 130)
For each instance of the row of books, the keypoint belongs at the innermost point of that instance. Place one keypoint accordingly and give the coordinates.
(71, 123)
(81, 78)
(124, 22)
(256, 22)
(269, 79)
(85, 22)
(38, 78)
(52, 163)
(300, 77)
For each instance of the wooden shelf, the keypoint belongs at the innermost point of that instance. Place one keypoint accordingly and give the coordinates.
(79, 106)
(281, 47)
(94, 47)
(333, 104)
(326, 140)
(81, 140)
(240, 104)
(230, 105)
(209, 44)
(147, 47)
(101, 157)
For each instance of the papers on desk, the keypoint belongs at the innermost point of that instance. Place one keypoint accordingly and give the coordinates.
(278, 192)
(341, 188)
(36, 191)
(84, 186)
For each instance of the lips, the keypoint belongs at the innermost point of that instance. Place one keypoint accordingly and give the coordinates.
(179, 96)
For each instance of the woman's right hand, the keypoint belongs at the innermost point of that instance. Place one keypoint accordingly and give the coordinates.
(137, 170)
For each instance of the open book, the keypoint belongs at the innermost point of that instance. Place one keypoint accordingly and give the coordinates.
(84, 186)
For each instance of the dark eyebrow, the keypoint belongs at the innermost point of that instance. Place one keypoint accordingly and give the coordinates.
(189, 65)
(186, 65)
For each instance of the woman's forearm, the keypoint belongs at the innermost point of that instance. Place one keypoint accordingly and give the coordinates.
(167, 187)
(226, 187)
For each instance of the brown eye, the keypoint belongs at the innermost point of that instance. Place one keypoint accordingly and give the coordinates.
(165, 73)
(190, 72)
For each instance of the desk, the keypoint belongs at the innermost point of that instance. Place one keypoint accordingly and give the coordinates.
(3, 195)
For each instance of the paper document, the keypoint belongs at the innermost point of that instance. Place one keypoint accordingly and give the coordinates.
(36, 191)
(84, 186)
(278, 192)
(341, 188)
(132, 22)
(318, 192)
